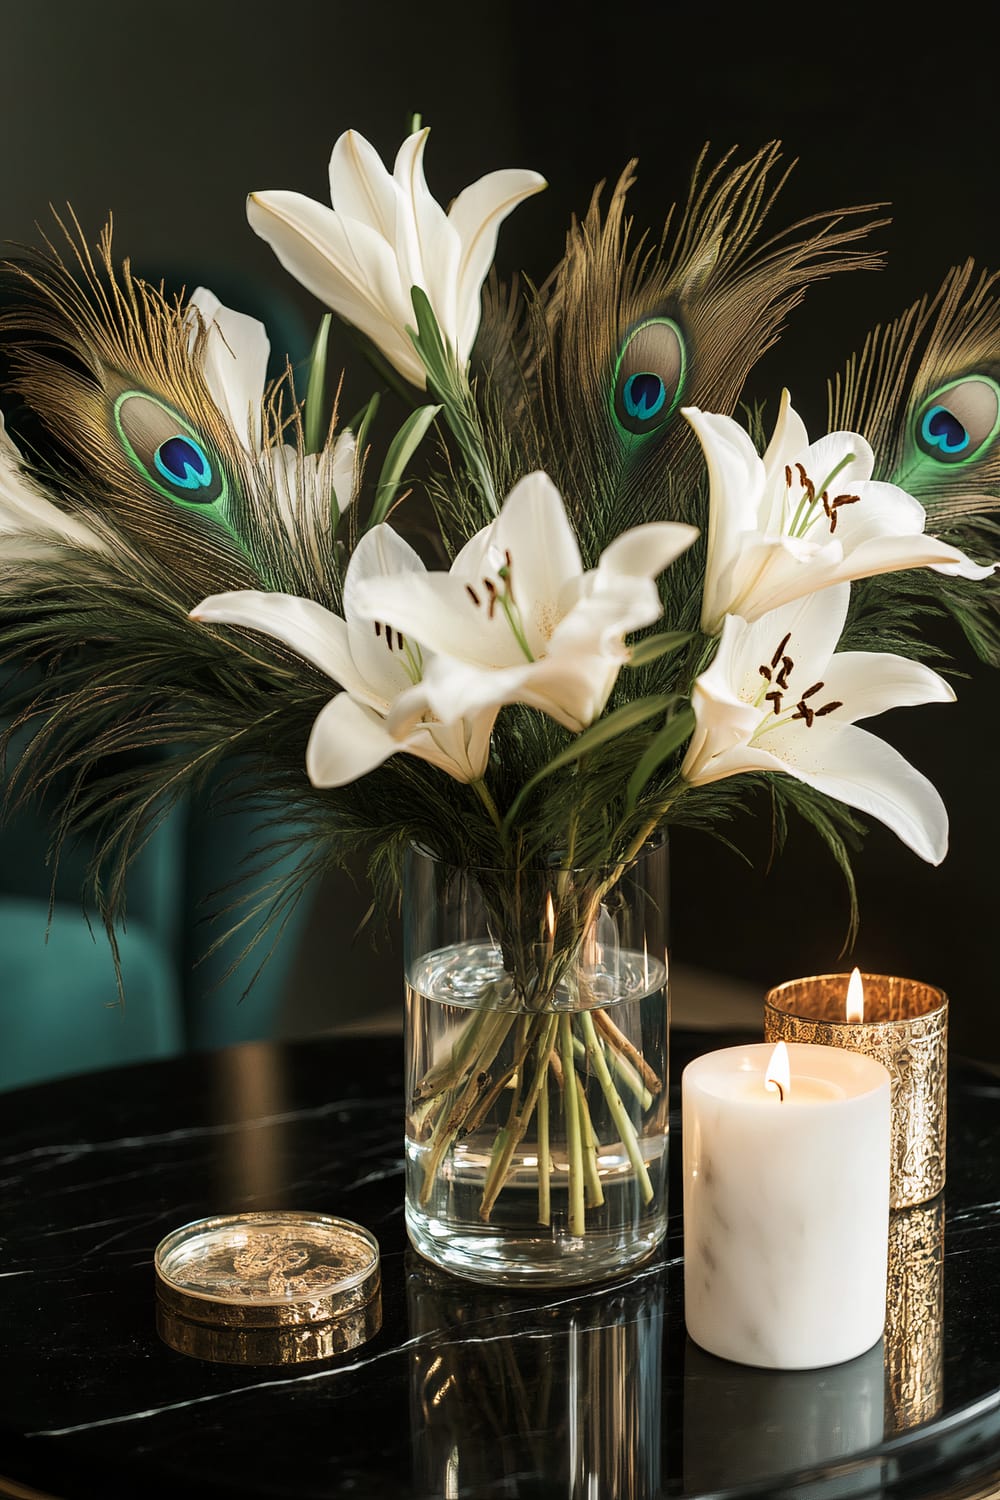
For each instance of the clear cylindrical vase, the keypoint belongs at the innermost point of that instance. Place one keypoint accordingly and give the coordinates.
(537, 1055)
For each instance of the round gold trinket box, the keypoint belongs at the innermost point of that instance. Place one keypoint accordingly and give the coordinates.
(268, 1288)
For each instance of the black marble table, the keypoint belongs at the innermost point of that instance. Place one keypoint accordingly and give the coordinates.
(462, 1392)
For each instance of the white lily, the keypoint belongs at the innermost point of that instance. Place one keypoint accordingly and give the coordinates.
(31, 526)
(385, 234)
(373, 665)
(803, 517)
(235, 352)
(778, 696)
(517, 620)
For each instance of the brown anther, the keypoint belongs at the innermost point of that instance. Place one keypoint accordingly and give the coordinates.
(765, 672)
(778, 654)
(786, 666)
(828, 708)
(378, 628)
(491, 590)
(399, 639)
(788, 476)
(472, 595)
(803, 711)
(814, 689)
(831, 510)
(775, 699)
(806, 483)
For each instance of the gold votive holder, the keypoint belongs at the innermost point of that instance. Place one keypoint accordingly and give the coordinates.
(905, 1027)
(268, 1288)
(914, 1324)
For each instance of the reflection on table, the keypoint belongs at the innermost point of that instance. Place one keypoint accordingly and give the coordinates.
(502, 1386)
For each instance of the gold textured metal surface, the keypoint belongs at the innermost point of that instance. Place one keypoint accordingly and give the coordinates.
(267, 1288)
(906, 1029)
(914, 1325)
(270, 1346)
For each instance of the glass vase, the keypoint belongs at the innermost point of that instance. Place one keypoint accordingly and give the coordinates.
(537, 1053)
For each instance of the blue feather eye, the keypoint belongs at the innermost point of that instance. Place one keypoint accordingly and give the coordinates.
(649, 377)
(184, 462)
(958, 421)
(167, 451)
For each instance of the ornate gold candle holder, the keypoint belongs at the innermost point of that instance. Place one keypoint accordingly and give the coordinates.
(914, 1324)
(905, 1026)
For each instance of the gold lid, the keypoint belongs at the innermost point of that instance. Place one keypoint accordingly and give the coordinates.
(268, 1288)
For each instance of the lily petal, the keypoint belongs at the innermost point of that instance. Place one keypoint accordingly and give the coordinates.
(386, 234)
(347, 740)
(234, 362)
(346, 265)
(862, 771)
(806, 517)
(30, 524)
(777, 697)
(303, 625)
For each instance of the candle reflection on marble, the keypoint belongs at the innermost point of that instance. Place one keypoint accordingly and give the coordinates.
(507, 1390)
(742, 1424)
(904, 1025)
(914, 1325)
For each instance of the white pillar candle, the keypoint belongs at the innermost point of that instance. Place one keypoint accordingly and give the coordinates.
(786, 1204)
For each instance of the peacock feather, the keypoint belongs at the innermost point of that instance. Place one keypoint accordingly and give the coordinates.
(112, 374)
(626, 331)
(924, 389)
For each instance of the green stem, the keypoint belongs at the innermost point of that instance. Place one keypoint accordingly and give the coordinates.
(542, 1126)
(451, 1120)
(510, 1135)
(618, 1111)
(574, 1141)
(450, 1070)
(482, 791)
(593, 1192)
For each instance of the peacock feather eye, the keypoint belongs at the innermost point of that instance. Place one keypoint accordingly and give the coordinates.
(959, 420)
(649, 377)
(168, 452)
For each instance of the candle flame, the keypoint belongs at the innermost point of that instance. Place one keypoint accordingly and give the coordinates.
(778, 1075)
(855, 997)
(550, 916)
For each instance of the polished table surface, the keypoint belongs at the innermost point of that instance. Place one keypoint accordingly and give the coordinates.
(462, 1391)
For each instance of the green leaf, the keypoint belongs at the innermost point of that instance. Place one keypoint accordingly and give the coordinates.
(401, 450)
(655, 646)
(360, 424)
(430, 344)
(620, 722)
(670, 738)
(315, 433)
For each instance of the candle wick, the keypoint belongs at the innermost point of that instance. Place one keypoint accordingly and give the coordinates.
(773, 1083)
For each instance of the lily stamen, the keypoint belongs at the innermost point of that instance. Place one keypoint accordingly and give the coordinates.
(804, 517)
(830, 507)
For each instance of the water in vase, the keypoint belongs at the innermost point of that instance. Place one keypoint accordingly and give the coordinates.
(536, 1139)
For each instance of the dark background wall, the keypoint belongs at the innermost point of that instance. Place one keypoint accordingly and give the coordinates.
(168, 115)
